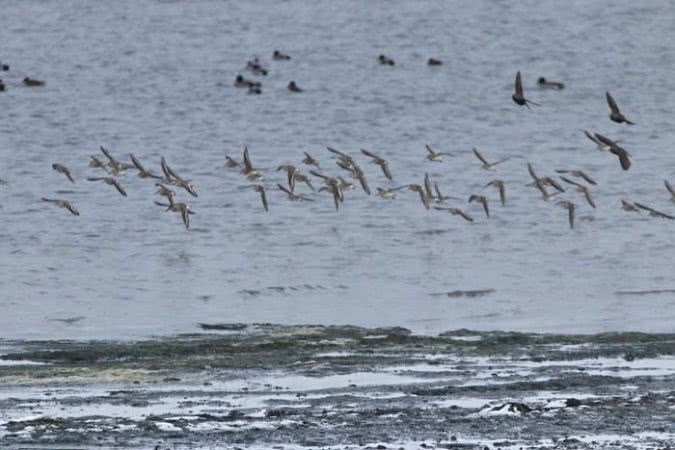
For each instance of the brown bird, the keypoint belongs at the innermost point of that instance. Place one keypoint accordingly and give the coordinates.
(116, 167)
(389, 193)
(434, 155)
(518, 96)
(601, 146)
(427, 187)
(670, 189)
(456, 212)
(571, 207)
(31, 82)
(60, 168)
(166, 192)
(620, 152)
(628, 206)
(231, 163)
(292, 196)
(581, 188)
(423, 195)
(499, 184)
(487, 165)
(261, 189)
(578, 173)
(248, 170)
(542, 188)
(112, 182)
(171, 177)
(383, 163)
(482, 200)
(63, 204)
(310, 161)
(182, 208)
(614, 112)
(653, 212)
(142, 172)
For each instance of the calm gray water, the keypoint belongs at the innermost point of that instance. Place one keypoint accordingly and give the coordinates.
(156, 78)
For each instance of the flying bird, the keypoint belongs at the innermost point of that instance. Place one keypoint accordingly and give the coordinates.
(487, 165)
(456, 212)
(62, 204)
(482, 200)
(383, 163)
(670, 189)
(60, 168)
(111, 182)
(142, 172)
(518, 96)
(581, 188)
(614, 113)
(580, 174)
(434, 155)
(620, 152)
(499, 184)
(570, 207)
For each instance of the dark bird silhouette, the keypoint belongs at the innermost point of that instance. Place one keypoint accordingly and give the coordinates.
(60, 168)
(620, 152)
(518, 95)
(614, 112)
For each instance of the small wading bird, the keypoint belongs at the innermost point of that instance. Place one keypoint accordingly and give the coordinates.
(62, 204)
(383, 163)
(620, 152)
(581, 188)
(614, 112)
(292, 196)
(570, 207)
(518, 95)
(142, 172)
(499, 184)
(456, 212)
(116, 167)
(310, 161)
(423, 195)
(60, 168)
(112, 182)
(249, 172)
(97, 163)
(182, 208)
(231, 163)
(434, 155)
(601, 145)
(483, 201)
(487, 165)
(629, 207)
(170, 177)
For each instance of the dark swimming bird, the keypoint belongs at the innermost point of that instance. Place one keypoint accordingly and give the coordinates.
(518, 96)
(385, 61)
(112, 182)
(2, 86)
(142, 171)
(620, 152)
(242, 82)
(293, 87)
(547, 84)
(614, 112)
(278, 56)
(254, 90)
(256, 67)
(63, 204)
(60, 168)
(571, 207)
(4, 67)
(434, 62)
(31, 82)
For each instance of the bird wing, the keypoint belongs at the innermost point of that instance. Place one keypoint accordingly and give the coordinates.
(480, 157)
(386, 171)
(430, 150)
(137, 163)
(530, 169)
(585, 176)
(427, 185)
(119, 187)
(247, 160)
(519, 84)
(263, 197)
(669, 187)
(107, 155)
(624, 159)
(612, 104)
(567, 180)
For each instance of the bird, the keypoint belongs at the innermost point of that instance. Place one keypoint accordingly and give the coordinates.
(292, 196)
(310, 161)
(142, 172)
(434, 62)
(242, 82)
(440, 198)
(230, 162)
(62, 204)
(456, 212)
(293, 87)
(487, 165)
(518, 96)
(248, 170)
(620, 152)
(116, 167)
(166, 192)
(434, 155)
(581, 188)
(542, 188)
(654, 212)
(601, 145)
(548, 84)
(347, 163)
(97, 163)
(184, 210)
(629, 206)
(170, 177)
(60, 168)
(383, 163)
(482, 200)
(614, 113)
(423, 195)
(261, 189)
(389, 193)
(294, 176)
(499, 184)
(428, 187)
(31, 82)
(278, 56)
(571, 207)
(670, 189)
(578, 173)
(385, 61)
(110, 181)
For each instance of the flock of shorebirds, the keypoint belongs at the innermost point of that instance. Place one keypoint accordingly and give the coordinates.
(336, 185)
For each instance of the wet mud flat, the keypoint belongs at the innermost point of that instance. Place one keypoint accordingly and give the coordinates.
(271, 386)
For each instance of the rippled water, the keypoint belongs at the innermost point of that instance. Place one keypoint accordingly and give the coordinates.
(155, 78)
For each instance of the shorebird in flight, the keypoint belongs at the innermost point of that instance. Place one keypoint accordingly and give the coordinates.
(499, 184)
(60, 168)
(580, 174)
(423, 195)
(433, 155)
(310, 161)
(629, 206)
(487, 165)
(383, 163)
(248, 170)
(62, 204)
(97, 163)
(570, 207)
(111, 182)
(654, 212)
(581, 188)
(142, 172)
(601, 145)
(230, 162)
(263, 197)
(518, 95)
(614, 112)
(171, 177)
(670, 189)
(456, 212)
(620, 152)
(483, 201)
(116, 167)
(292, 196)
